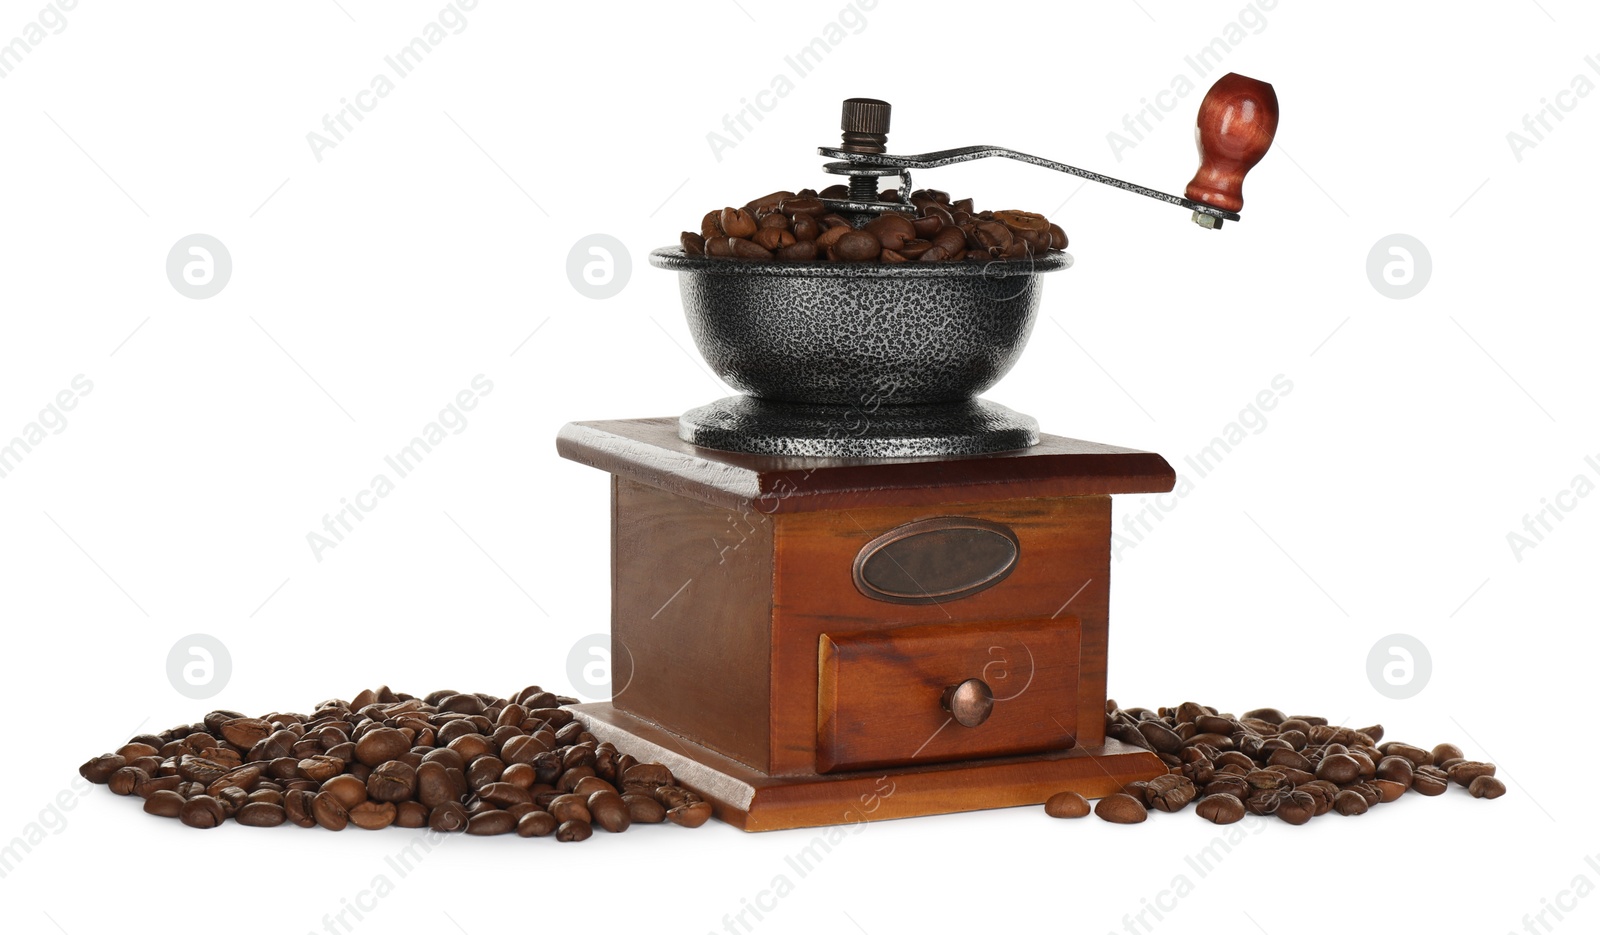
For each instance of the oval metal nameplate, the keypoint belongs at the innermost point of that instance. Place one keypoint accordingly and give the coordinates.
(935, 560)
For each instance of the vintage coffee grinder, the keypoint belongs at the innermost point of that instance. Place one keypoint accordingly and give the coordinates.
(859, 591)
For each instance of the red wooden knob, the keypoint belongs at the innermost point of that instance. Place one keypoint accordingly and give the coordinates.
(1235, 126)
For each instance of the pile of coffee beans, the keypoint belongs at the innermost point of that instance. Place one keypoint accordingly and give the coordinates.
(798, 227)
(449, 761)
(1265, 762)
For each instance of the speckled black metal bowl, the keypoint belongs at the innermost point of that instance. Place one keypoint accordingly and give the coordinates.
(859, 334)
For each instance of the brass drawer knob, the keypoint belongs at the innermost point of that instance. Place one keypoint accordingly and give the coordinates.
(970, 702)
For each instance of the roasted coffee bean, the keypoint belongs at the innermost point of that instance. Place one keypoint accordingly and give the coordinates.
(1339, 768)
(644, 809)
(536, 824)
(380, 745)
(373, 816)
(744, 250)
(855, 247)
(609, 811)
(1417, 755)
(166, 803)
(1350, 802)
(1445, 752)
(1121, 808)
(1066, 805)
(1169, 793)
(1430, 780)
(394, 781)
(737, 222)
(126, 779)
(1160, 737)
(493, 821)
(330, 811)
(261, 815)
(1220, 808)
(1396, 769)
(773, 238)
(349, 790)
(245, 732)
(1485, 786)
(568, 807)
(1297, 807)
(574, 830)
(449, 817)
(690, 814)
(1464, 772)
(100, 769)
(202, 811)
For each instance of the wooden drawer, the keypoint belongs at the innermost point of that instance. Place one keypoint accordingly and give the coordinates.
(879, 692)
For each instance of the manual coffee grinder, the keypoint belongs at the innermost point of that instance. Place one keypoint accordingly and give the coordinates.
(859, 591)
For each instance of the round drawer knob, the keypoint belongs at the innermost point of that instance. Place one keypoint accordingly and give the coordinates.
(970, 703)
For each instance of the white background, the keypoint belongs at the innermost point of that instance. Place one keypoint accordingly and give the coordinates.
(369, 287)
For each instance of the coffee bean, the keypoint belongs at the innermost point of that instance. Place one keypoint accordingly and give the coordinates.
(245, 732)
(261, 815)
(450, 816)
(569, 807)
(165, 803)
(373, 816)
(126, 779)
(330, 811)
(1220, 808)
(737, 222)
(855, 247)
(1430, 780)
(644, 809)
(1066, 805)
(1121, 808)
(202, 811)
(381, 745)
(693, 244)
(1466, 771)
(1445, 752)
(574, 830)
(349, 790)
(800, 252)
(744, 250)
(100, 769)
(609, 811)
(493, 821)
(1297, 807)
(394, 781)
(690, 814)
(1350, 802)
(1169, 793)
(1486, 787)
(1339, 768)
(536, 824)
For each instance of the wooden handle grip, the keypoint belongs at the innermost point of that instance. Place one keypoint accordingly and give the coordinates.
(1234, 128)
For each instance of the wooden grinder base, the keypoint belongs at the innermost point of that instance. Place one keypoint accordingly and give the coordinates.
(753, 801)
(788, 635)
